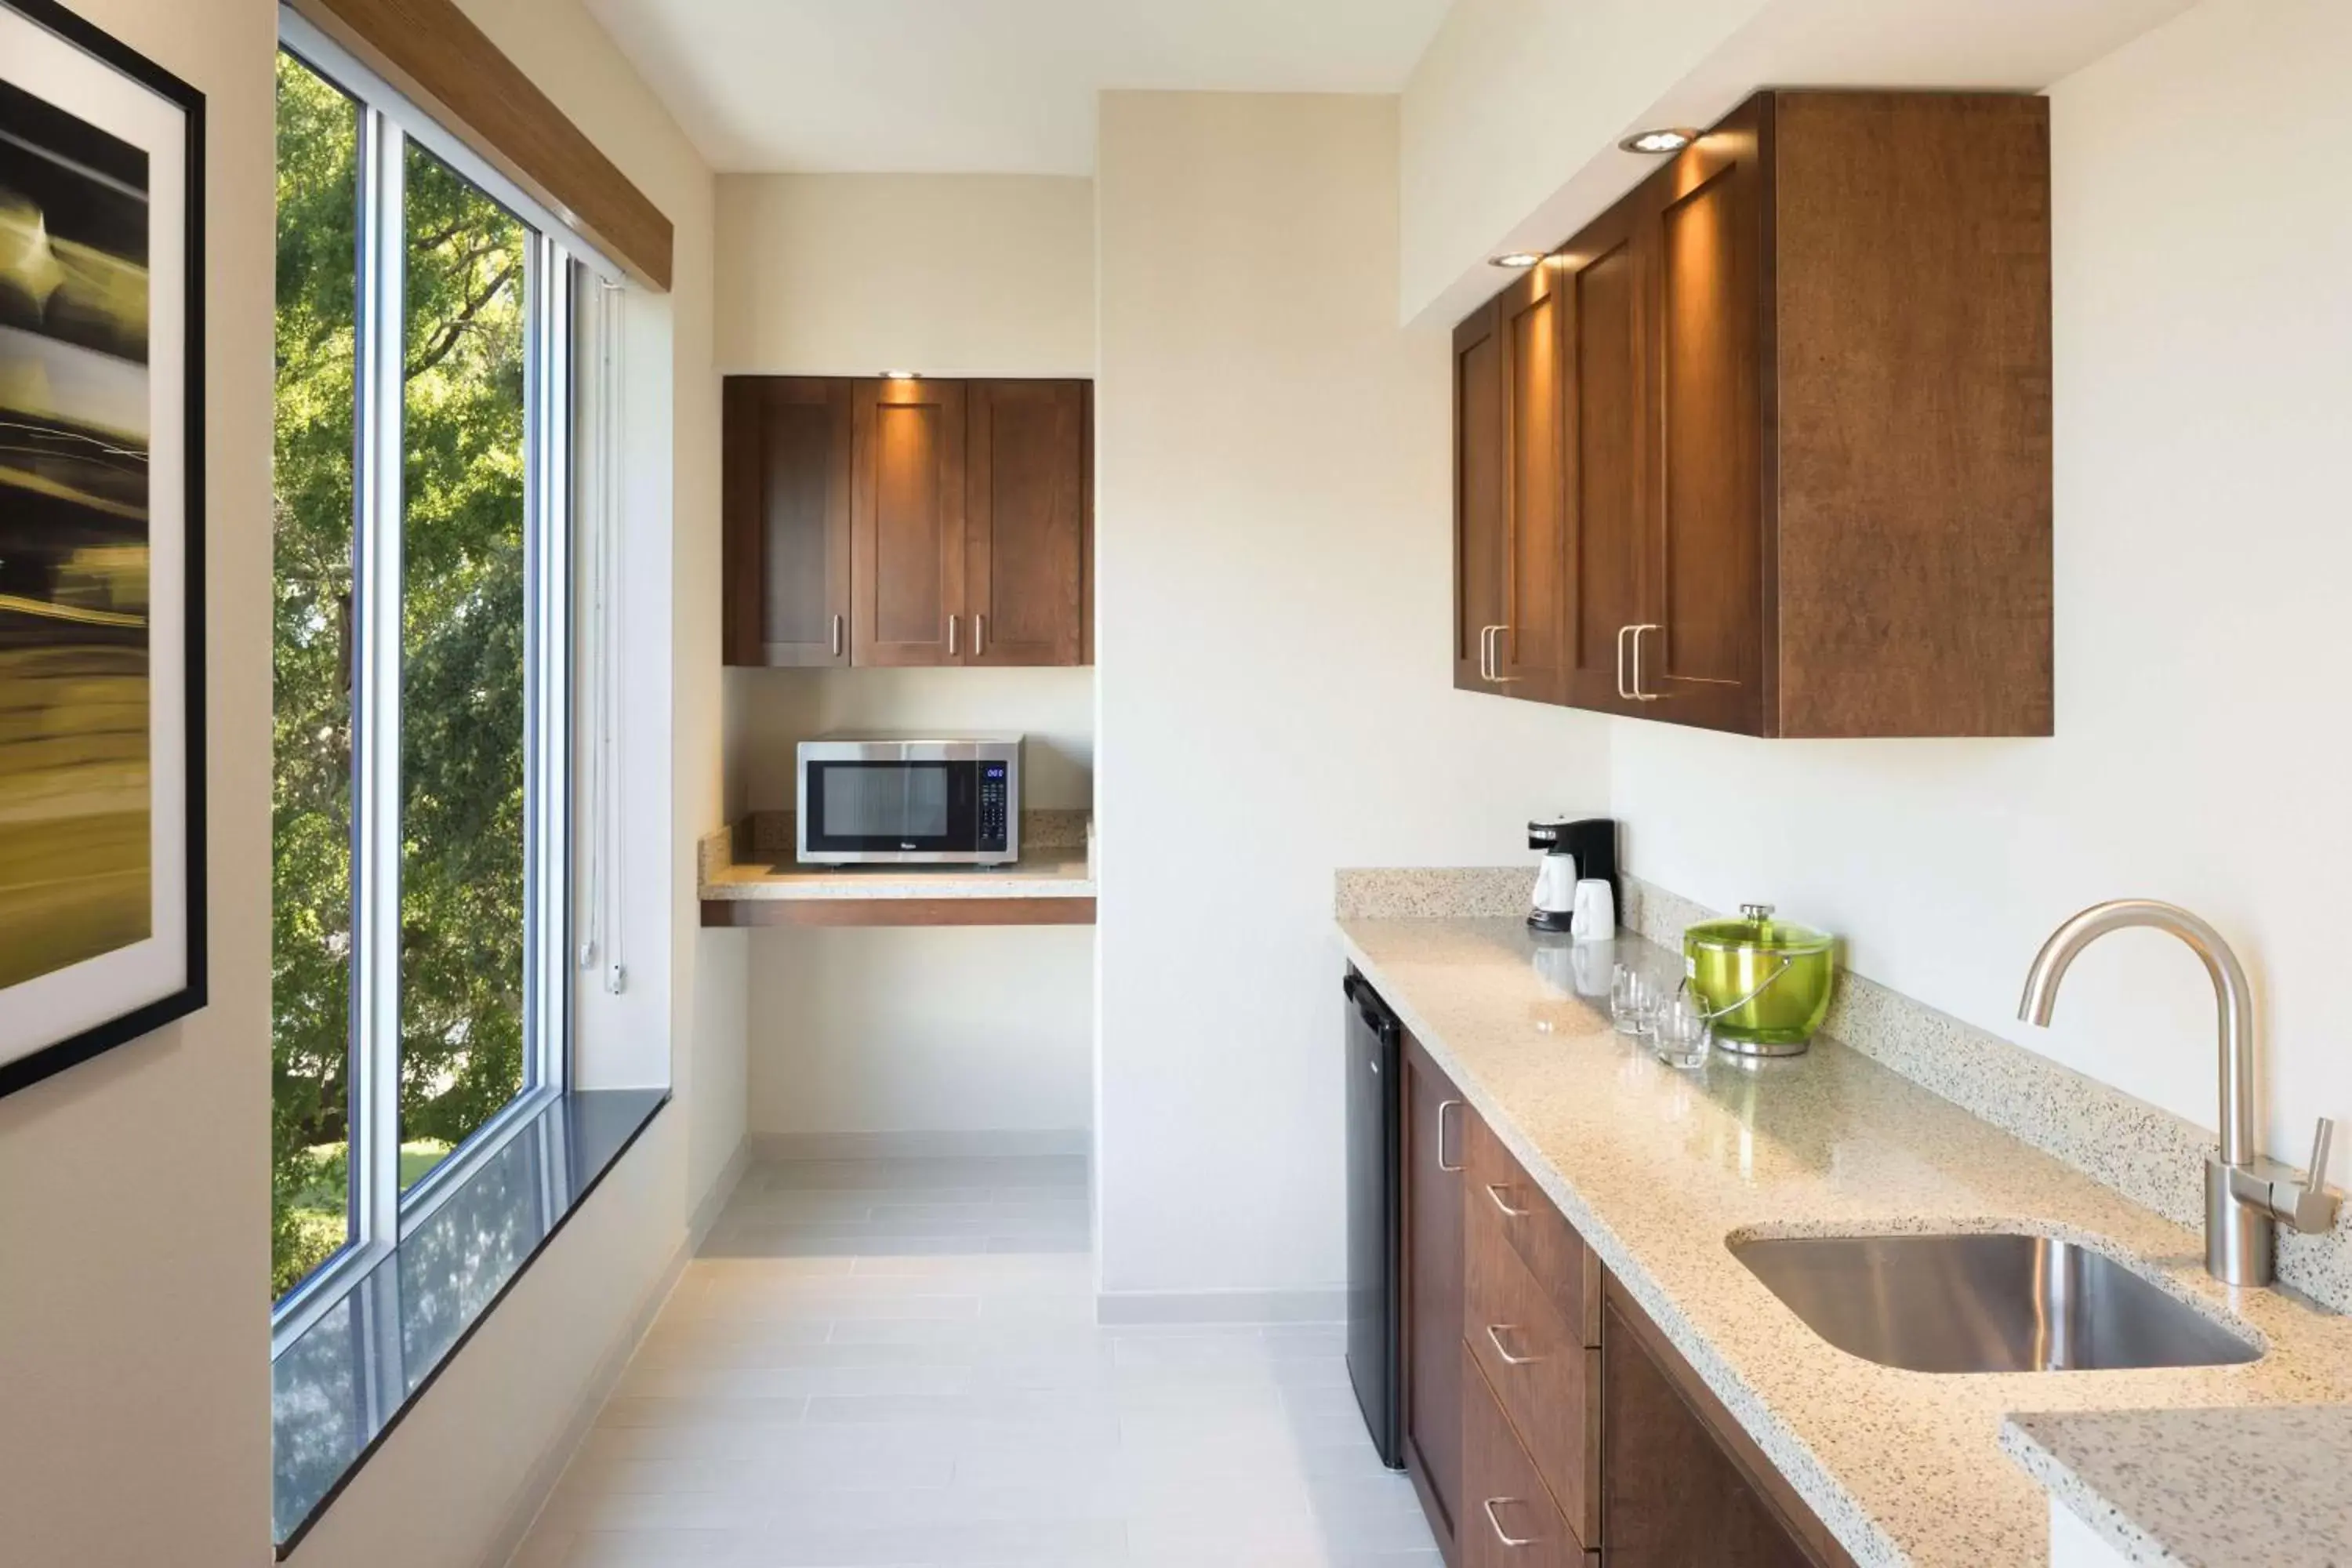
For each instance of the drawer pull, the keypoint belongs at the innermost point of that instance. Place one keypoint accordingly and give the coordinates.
(1505, 1536)
(1494, 1338)
(1495, 1191)
(1445, 1106)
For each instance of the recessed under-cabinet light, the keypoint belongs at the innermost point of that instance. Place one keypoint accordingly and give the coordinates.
(902, 375)
(1515, 258)
(1666, 139)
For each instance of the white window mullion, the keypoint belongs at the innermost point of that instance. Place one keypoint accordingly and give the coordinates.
(375, 688)
(547, 403)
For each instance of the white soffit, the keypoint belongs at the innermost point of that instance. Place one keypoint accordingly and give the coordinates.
(981, 86)
(2013, 45)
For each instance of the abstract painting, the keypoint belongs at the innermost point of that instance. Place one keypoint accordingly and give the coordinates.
(102, 870)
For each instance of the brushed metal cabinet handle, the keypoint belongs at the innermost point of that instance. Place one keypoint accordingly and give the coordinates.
(1638, 694)
(1505, 1536)
(1498, 678)
(951, 636)
(836, 636)
(1495, 1191)
(978, 635)
(1443, 1107)
(1494, 1338)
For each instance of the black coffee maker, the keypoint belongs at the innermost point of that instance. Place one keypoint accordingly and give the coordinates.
(1573, 851)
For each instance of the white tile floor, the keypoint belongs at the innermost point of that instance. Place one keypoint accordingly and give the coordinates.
(896, 1362)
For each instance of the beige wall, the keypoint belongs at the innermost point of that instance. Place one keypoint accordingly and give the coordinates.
(2203, 386)
(1274, 584)
(135, 1190)
(951, 274)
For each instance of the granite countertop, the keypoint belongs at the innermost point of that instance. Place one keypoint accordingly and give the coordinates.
(1657, 1168)
(2201, 1488)
(754, 860)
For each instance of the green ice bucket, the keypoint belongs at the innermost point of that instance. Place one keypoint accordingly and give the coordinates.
(1766, 981)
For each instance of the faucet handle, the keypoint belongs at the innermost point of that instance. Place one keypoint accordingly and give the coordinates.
(2311, 1207)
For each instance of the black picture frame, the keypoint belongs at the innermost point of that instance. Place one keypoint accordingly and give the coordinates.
(47, 1061)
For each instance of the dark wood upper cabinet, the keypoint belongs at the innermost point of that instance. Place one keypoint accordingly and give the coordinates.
(1025, 518)
(908, 522)
(1529, 655)
(1436, 1278)
(1605, 290)
(1699, 650)
(1481, 454)
(1805, 428)
(785, 502)
(1510, 503)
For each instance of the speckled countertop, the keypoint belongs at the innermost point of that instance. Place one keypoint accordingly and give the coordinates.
(2201, 1488)
(754, 860)
(1657, 1168)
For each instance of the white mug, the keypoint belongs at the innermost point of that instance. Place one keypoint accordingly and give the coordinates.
(1593, 915)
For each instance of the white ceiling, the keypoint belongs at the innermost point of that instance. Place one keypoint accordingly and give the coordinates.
(981, 86)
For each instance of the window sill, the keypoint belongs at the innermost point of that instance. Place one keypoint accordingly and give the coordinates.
(341, 1386)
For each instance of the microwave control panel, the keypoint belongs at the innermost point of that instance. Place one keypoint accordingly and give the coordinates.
(993, 792)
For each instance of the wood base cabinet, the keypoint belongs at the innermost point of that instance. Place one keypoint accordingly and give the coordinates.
(1434, 1123)
(1513, 1521)
(1794, 461)
(1549, 1422)
(1682, 1485)
(908, 521)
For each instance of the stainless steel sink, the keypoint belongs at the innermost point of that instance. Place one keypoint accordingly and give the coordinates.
(1994, 1302)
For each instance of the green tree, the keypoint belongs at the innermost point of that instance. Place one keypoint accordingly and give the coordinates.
(462, 635)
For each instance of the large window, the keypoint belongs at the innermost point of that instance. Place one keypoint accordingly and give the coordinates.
(423, 636)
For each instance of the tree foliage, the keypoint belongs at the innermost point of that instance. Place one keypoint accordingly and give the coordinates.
(462, 644)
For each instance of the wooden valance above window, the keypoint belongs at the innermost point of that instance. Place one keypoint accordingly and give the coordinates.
(432, 52)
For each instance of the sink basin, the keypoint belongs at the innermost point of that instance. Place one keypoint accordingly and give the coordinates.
(1994, 1302)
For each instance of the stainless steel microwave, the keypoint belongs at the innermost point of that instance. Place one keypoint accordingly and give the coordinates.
(910, 799)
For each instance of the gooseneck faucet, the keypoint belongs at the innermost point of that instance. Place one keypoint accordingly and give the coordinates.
(2244, 1191)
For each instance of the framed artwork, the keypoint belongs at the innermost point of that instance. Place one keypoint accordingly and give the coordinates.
(102, 543)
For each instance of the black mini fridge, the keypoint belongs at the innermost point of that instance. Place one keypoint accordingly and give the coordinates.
(1376, 1216)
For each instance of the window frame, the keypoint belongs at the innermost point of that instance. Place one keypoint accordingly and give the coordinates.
(562, 271)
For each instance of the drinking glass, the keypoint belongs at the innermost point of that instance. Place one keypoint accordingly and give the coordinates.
(1632, 999)
(1683, 1031)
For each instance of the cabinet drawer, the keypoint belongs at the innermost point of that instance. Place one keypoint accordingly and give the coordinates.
(1546, 1382)
(1508, 1517)
(1501, 1194)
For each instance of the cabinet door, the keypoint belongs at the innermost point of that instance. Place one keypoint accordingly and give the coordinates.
(1672, 1493)
(1510, 1520)
(1538, 1369)
(1528, 654)
(1025, 519)
(906, 524)
(1481, 454)
(786, 460)
(1604, 294)
(1703, 660)
(1434, 1280)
